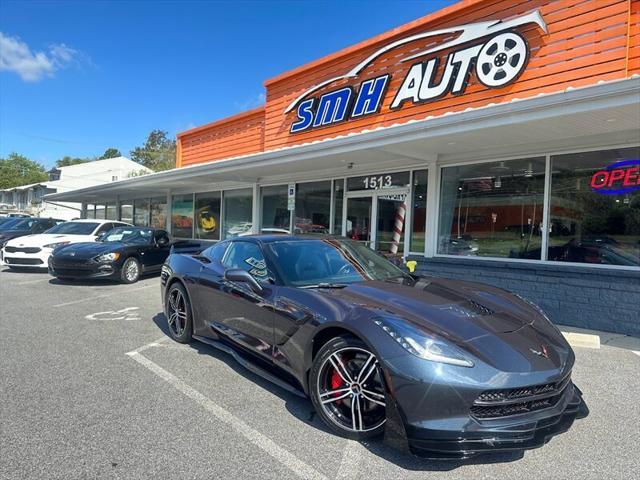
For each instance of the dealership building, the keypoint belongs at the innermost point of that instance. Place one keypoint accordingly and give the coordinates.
(494, 141)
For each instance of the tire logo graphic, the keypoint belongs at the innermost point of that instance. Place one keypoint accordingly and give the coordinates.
(501, 60)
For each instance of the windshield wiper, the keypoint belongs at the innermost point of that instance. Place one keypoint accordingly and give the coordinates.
(325, 285)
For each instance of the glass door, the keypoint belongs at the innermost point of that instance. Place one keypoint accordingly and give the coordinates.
(358, 219)
(377, 219)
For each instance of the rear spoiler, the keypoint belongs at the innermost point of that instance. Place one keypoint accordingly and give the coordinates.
(189, 247)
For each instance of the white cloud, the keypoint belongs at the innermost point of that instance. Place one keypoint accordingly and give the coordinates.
(17, 57)
(252, 102)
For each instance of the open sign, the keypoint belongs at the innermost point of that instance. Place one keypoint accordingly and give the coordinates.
(619, 177)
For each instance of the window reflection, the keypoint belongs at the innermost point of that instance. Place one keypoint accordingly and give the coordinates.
(586, 224)
(313, 207)
(493, 209)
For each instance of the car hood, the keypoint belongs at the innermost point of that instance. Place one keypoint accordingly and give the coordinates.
(495, 325)
(88, 249)
(42, 239)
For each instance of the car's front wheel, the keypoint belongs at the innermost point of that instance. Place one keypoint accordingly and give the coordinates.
(178, 313)
(130, 272)
(347, 389)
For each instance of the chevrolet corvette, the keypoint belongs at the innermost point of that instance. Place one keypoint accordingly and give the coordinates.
(442, 368)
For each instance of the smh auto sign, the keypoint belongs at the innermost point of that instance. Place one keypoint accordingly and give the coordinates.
(491, 49)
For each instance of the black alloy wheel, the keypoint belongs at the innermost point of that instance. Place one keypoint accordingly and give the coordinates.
(347, 389)
(178, 313)
(130, 272)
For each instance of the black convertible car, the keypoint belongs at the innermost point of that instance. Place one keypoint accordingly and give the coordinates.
(445, 368)
(123, 253)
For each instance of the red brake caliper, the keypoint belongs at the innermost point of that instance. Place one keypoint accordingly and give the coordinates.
(336, 383)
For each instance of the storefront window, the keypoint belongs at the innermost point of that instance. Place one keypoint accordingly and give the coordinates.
(207, 215)
(126, 212)
(238, 212)
(419, 212)
(493, 209)
(90, 211)
(275, 215)
(100, 212)
(595, 207)
(182, 216)
(338, 197)
(141, 212)
(313, 207)
(112, 211)
(158, 212)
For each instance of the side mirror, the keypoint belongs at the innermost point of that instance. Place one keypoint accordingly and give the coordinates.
(162, 242)
(242, 276)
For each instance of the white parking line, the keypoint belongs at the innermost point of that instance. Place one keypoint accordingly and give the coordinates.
(89, 299)
(258, 439)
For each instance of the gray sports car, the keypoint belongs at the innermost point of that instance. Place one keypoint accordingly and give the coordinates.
(443, 368)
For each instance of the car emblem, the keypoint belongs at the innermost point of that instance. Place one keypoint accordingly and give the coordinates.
(543, 352)
(73, 254)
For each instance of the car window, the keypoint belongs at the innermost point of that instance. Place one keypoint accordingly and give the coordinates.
(104, 228)
(74, 228)
(246, 256)
(40, 227)
(216, 252)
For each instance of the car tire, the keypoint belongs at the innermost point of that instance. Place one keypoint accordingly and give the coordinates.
(347, 388)
(130, 271)
(178, 313)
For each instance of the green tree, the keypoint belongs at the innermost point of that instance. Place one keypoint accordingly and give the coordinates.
(157, 153)
(16, 170)
(110, 153)
(67, 160)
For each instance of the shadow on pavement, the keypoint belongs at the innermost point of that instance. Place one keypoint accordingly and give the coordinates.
(303, 410)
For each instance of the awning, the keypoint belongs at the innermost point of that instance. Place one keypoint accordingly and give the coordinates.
(604, 114)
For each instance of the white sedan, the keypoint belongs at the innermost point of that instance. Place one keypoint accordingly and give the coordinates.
(33, 251)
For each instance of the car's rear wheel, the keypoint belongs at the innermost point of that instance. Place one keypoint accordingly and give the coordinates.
(347, 389)
(130, 272)
(178, 313)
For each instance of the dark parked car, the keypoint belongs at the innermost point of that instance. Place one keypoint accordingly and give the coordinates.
(446, 368)
(19, 227)
(123, 253)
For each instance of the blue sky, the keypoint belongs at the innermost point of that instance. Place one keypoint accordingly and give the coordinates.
(77, 77)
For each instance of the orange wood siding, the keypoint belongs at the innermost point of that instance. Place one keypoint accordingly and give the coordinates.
(238, 135)
(587, 41)
(634, 38)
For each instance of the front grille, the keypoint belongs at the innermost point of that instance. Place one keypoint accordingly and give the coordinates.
(513, 408)
(22, 261)
(22, 249)
(502, 403)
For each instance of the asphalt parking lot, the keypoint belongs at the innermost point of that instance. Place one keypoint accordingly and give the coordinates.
(91, 387)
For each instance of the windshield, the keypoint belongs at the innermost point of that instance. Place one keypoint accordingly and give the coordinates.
(329, 261)
(138, 236)
(21, 224)
(7, 223)
(74, 228)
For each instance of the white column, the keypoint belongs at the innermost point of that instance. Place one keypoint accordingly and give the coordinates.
(256, 209)
(169, 211)
(433, 201)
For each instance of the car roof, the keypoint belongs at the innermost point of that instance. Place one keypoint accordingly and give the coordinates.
(98, 220)
(271, 238)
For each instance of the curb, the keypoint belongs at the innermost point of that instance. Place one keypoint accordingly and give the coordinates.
(583, 340)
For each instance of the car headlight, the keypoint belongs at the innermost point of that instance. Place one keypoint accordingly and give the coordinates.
(108, 257)
(421, 344)
(55, 245)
